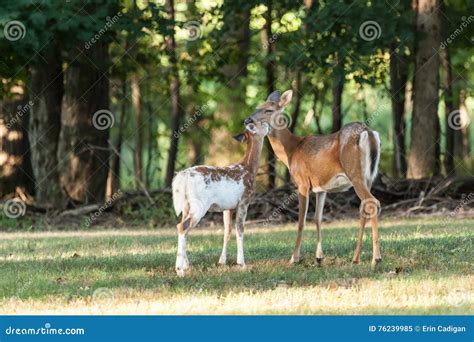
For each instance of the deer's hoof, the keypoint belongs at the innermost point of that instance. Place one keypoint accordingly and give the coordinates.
(355, 261)
(294, 259)
(180, 272)
(222, 261)
(375, 262)
(319, 260)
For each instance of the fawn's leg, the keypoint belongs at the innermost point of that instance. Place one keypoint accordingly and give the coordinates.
(227, 232)
(303, 209)
(182, 262)
(240, 216)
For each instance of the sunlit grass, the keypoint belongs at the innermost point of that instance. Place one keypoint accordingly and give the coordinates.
(427, 269)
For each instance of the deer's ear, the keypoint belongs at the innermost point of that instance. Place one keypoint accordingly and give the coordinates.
(285, 98)
(274, 96)
(240, 137)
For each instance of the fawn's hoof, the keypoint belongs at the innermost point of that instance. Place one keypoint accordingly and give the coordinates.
(294, 259)
(222, 261)
(319, 260)
(355, 261)
(180, 272)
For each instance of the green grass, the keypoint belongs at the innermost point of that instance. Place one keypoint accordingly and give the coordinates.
(427, 268)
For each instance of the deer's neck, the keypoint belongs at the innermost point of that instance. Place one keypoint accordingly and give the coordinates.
(252, 154)
(284, 143)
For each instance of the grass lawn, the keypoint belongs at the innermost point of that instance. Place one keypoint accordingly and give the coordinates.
(427, 268)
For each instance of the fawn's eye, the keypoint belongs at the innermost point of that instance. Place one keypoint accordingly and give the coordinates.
(268, 110)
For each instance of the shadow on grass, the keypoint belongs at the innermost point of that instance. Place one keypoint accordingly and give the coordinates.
(267, 257)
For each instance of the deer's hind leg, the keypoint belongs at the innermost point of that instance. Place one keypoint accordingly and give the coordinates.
(318, 215)
(355, 168)
(227, 232)
(186, 224)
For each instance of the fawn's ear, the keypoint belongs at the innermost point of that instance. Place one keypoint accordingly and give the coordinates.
(242, 137)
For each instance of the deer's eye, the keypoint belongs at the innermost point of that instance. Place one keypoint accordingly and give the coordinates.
(268, 110)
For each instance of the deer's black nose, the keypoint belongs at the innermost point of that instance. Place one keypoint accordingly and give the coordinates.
(248, 121)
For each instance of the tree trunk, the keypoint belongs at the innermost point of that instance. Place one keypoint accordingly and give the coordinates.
(86, 119)
(463, 127)
(136, 104)
(235, 43)
(114, 171)
(270, 75)
(16, 174)
(46, 93)
(337, 88)
(296, 109)
(176, 112)
(398, 81)
(424, 161)
(448, 99)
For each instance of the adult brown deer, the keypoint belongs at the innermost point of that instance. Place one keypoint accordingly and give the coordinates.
(326, 163)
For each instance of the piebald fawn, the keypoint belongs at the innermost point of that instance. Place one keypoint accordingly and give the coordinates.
(200, 189)
(326, 163)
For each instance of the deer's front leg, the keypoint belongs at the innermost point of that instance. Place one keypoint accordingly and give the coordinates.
(302, 210)
(227, 232)
(239, 232)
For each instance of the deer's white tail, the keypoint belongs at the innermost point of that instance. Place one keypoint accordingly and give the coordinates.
(369, 144)
(179, 192)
